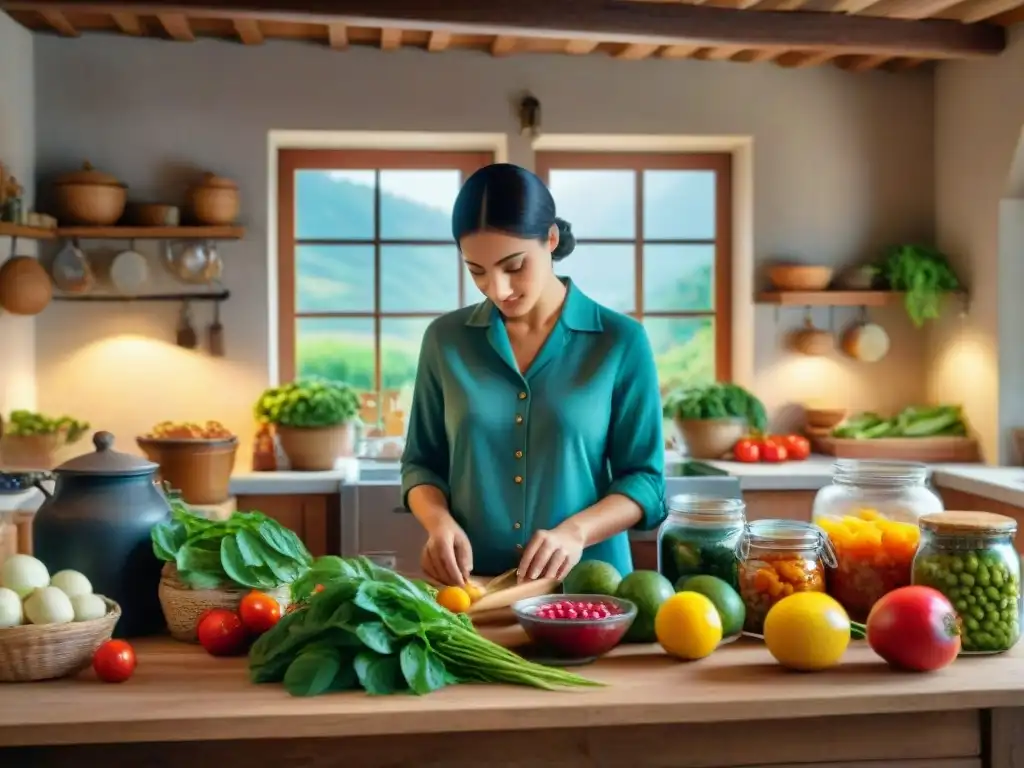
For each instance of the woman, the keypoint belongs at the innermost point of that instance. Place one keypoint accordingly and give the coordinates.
(535, 435)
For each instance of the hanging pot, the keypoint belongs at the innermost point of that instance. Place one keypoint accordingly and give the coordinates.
(865, 341)
(810, 340)
(25, 287)
(98, 521)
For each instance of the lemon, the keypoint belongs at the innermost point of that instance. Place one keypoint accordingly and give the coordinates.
(807, 631)
(688, 626)
(455, 599)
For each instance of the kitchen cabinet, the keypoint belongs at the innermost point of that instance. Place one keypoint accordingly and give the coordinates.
(314, 517)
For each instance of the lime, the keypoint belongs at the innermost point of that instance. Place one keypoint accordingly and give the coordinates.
(726, 600)
(688, 626)
(592, 577)
(648, 590)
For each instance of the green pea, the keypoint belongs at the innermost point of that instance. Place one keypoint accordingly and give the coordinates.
(971, 563)
(978, 612)
(971, 623)
(983, 576)
(967, 579)
(957, 565)
(961, 605)
(950, 580)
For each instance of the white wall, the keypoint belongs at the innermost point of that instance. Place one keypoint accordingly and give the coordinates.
(978, 360)
(17, 153)
(843, 166)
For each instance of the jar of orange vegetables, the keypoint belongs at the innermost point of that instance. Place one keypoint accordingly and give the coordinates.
(776, 559)
(871, 512)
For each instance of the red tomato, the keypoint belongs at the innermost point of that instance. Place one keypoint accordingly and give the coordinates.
(259, 612)
(747, 450)
(797, 447)
(772, 451)
(914, 628)
(114, 661)
(222, 633)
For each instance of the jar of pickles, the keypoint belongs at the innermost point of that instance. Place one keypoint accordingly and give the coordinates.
(776, 559)
(870, 513)
(970, 558)
(699, 537)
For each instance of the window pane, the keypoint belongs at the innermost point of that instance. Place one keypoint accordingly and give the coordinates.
(334, 278)
(684, 350)
(679, 278)
(334, 205)
(419, 278)
(606, 273)
(598, 204)
(679, 205)
(417, 205)
(400, 340)
(339, 348)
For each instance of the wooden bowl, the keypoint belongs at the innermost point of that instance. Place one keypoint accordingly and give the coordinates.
(798, 277)
(824, 418)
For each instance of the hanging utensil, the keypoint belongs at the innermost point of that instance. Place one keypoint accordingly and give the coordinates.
(215, 333)
(186, 333)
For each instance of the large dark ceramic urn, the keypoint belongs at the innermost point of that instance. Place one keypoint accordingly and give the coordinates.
(98, 521)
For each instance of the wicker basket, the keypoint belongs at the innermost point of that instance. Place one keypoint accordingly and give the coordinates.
(47, 651)
(183, 605)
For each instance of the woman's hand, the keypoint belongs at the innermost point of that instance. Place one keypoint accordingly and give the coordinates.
(447, 556)
(551, 554)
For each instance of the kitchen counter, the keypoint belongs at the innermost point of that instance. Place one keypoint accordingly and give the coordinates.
(735, 708)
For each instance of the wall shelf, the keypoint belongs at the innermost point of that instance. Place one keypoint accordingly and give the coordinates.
(195, 296)
(153, 233)
(7, 229)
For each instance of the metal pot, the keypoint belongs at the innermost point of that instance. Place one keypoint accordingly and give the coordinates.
(98, 521)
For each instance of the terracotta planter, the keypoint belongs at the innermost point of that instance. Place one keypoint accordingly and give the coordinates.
(710, 438)
(30, 451)
(317, 448)
(199, 469)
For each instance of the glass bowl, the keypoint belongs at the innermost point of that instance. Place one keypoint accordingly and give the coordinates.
(575, 638)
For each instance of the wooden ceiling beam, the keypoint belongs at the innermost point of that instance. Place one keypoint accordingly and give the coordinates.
(59, 22)
(390, 39)
(439, 41)
(637, 51)
(580, 47)
(862, 63)
(128, 23)
(248, 31)
(919, 9)
(986, 9)
(799, 60)
(177, 27)
(337, 35)
(503, 45)
(622, 22)
(679, 51)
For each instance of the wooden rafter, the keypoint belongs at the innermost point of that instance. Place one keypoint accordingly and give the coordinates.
(623, 22)
(503, 45)
(337, 35)
(438, 41)
(723, 53)
(249, 31)
(637, 51)
(176, 26)
(798, 59)
(128, 23)
(679, 51)
(863, 63)
(581, 47)
(919, 9)
(986, 9)
(59, 22)
(390, 39)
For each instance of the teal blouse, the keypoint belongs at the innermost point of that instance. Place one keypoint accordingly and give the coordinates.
(516, 453)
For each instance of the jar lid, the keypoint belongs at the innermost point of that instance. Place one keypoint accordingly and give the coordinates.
(784, 533)
(216, 182)
(952, 522)
(707, 509)
(89, 175)
(106, 461)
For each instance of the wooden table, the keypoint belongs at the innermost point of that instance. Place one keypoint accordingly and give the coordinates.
(736, 708)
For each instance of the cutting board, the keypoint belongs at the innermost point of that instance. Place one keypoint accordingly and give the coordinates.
(507, 635)
(936, 450)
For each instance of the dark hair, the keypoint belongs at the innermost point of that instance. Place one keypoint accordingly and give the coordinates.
(510, 199)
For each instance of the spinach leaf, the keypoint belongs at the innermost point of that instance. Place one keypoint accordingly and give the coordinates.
(375, 636)
(423, 670)
(168, 538)
(249, 547)
(312, 672)
(191, 558)
(379, 675)
(232, 563)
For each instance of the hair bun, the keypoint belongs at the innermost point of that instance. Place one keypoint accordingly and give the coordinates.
(566, 240)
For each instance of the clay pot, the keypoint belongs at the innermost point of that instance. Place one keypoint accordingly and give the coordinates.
(811, 340)
(25, 287)
(200, 470)
(318, 448)
(214, 201)
(710, 438)
(89, 197)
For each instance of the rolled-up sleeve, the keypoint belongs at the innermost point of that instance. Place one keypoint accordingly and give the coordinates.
(636, 443)
(425, 458)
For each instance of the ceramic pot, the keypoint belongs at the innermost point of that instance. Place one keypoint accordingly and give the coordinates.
(315, 449)
(199, 469)
(710, 438)
(98, 521)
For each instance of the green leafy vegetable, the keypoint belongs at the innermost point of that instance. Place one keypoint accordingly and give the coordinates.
(24, 423)
(311, 402)
(717, 401)
(358, 625)
(248, 549)
(915, 421)
(923, 274)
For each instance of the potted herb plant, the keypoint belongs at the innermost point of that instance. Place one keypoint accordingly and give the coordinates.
(31, 440)
(215, 563)
(315, 420)
(711, 418)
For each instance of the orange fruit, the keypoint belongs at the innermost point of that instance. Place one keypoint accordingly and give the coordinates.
(474, 591)
(455, 599)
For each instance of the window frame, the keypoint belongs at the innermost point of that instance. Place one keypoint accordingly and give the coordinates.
(721, 164)
(291, 160)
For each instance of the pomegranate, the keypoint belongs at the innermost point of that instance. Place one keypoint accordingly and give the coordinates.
(914, 628)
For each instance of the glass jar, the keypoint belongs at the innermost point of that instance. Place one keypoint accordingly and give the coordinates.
(776, 559)
(970, 558)
(699, 537)
(870, 513)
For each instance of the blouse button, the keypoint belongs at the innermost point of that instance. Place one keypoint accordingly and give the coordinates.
(519, 418)
(517, 525)
(519, 454)
(522, 395)
(519, 478)
(519, 547)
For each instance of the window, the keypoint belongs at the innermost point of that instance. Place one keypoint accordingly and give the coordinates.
(366, 260)
(653, 240)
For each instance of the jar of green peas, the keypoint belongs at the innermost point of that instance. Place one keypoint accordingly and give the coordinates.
(970, 557)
